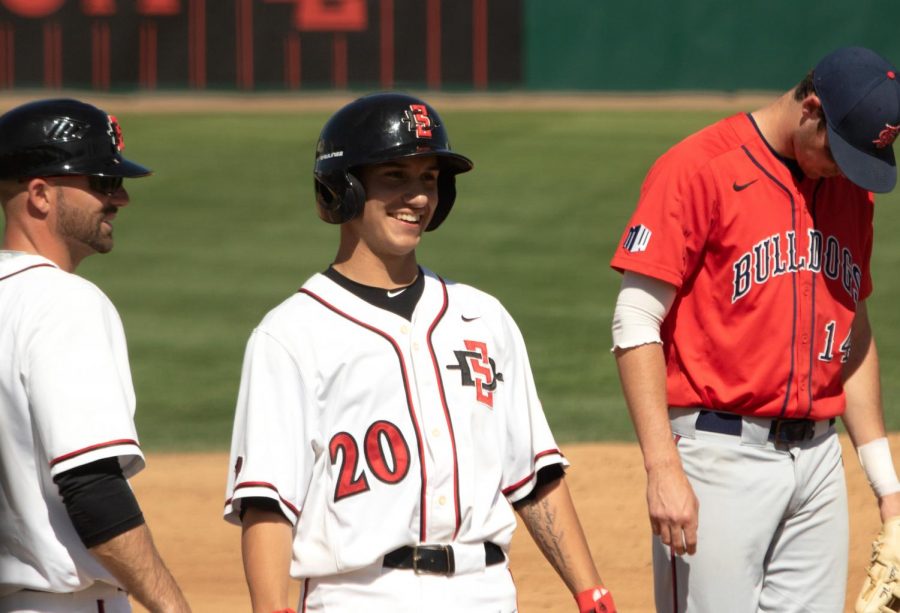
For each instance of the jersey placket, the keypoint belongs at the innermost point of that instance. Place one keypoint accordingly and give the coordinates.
(804, 283)
(437, 434)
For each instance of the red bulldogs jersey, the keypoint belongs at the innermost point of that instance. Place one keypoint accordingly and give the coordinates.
(769, 269)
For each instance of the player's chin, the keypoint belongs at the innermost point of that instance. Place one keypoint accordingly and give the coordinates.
(402, 245)
(102, 244)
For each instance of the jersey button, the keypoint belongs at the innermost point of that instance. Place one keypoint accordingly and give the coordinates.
(435, 433)
(442, 500)
(415, 346)
(404, 329)
(805, 338)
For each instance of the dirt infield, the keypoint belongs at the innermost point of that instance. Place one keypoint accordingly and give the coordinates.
(182, 496)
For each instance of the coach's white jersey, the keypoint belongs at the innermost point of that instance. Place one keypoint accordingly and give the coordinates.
(66, 399)
(374, 432)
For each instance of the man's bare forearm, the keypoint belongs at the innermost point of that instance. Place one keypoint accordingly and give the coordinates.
(553, 524)
(132, 558)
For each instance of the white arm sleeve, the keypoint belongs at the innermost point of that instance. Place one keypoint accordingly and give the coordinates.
(642, 305)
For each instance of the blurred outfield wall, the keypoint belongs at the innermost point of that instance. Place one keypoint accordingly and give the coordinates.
(695, 45)
(450, 45)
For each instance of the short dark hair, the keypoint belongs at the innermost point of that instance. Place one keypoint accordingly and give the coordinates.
(805, 87)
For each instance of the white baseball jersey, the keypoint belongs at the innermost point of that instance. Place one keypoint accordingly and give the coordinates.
(67, 400)
(373, 432)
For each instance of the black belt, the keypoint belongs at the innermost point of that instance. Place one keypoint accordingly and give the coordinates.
(436, 559)
(781, 430)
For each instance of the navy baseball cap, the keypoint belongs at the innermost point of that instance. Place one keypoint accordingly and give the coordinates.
(860, 96)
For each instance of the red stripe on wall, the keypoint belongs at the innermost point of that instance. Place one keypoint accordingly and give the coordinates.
(147, 54)
(433, 44)
(100, 55)
(106, 68)
(151, 53)
(52, 55)
(238, 42)
(386, 19)
(339, 67)
(58, 53)
(479, 44)
(292, 60)
(142, 51)
(245, 44)
(197, 44)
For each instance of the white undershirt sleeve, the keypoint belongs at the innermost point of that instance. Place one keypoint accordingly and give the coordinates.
(642, 305)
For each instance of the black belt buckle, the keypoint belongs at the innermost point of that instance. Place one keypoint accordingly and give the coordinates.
(428, 559)
(791, 430)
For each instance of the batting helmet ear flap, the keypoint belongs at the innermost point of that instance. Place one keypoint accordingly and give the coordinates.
(339, 196)
(446, 198)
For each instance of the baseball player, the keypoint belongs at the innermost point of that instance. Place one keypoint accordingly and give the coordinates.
(72, 536)
(741, 334)
(387, 422)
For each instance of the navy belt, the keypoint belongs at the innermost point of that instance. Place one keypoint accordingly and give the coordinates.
(781, 430)
(436, 559)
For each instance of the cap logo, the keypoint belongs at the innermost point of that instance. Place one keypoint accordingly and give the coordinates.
(887, 136)
(63, 129)
(115, 133)
(418, 120)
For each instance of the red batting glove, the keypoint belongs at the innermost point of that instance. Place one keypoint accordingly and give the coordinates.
(595, 600)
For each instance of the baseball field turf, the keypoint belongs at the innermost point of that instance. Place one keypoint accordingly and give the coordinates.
(226, 229)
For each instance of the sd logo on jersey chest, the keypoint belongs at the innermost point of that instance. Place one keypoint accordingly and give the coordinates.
(477, 370)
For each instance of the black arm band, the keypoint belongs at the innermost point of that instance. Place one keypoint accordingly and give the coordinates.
(545, 476)
(99, 501)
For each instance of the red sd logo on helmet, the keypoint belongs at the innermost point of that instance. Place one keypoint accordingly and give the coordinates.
(115, 133)
(417, 117)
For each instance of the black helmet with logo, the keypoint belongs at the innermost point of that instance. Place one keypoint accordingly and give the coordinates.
(62, 137)
(374, 129)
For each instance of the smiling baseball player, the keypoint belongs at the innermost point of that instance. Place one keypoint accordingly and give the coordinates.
(72, 536)
(387, 420)
(742, 329)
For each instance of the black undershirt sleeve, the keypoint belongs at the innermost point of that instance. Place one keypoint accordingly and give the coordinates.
(262, 503)
(99, 501)
(546, 475)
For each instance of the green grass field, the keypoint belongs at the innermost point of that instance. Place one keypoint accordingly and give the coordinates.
(226, 229)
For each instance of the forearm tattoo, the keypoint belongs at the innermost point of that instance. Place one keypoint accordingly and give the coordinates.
(540, 519)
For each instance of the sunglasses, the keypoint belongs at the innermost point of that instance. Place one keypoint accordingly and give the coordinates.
(105, 185)
(99, 183)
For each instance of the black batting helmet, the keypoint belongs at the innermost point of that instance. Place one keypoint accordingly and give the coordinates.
(374, 129)
(62, 137)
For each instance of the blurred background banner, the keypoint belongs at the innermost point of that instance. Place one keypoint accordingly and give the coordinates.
(260, 45)
(448, 45)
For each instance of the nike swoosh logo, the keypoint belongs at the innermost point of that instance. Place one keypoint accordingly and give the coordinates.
(464, 318)
(742, 187)
(395, 293)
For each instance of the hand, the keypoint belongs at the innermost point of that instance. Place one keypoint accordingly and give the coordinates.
(674, 508)
(881, 589)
